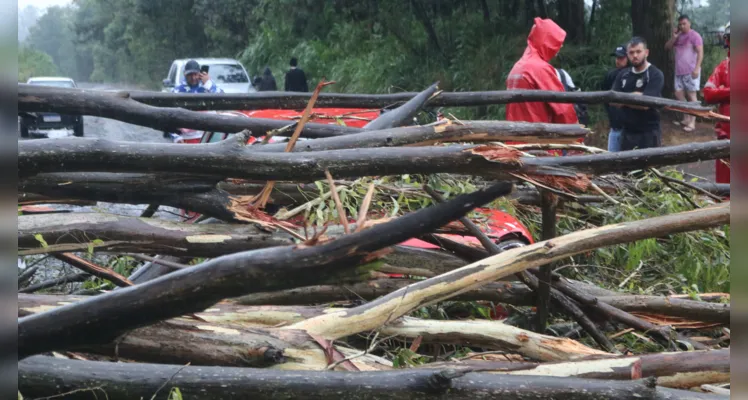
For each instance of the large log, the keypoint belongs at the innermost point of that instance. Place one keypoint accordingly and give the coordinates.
(680, 370)
(119, 106)
(109, 232)
(447, 285)
(47, 376)
(234, 335)
(190, 290)
(233, 158)
(674, 307)
(285, 100)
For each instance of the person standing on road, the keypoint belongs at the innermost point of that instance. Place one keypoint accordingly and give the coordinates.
(295, 78)
(641, 124)
(717, 91)
(615, 119)
(533, 71)
(689, 53)
(267, 81)
(196, 81)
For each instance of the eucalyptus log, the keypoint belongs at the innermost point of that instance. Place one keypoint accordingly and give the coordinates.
(674, 307)
(48, 376)
(463, 131)
(285, 100)
(106, 316)
(498, 292)
(442, 287)
(109, 232)
(224, 334)
(232, 158)
(679, 370)
(119, 106)
(403, 114)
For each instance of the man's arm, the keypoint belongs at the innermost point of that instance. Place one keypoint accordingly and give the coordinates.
(699, 59)
(670, 43)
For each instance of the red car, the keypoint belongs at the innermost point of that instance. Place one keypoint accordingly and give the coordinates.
(503, 228)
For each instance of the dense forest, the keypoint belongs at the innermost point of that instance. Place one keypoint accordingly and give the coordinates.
(366, 46)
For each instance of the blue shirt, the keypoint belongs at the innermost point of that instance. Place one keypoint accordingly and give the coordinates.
(208, 87)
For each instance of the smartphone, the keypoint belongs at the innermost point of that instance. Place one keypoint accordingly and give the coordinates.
(205, 68)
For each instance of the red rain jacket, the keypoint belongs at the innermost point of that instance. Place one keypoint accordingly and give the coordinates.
(533, 71)
(717, 91)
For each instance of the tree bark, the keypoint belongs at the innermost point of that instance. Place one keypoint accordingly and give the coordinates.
(233, 159)
(285, 100)
(680, 370)
(193, 289)
(571, 19)
(55, 282)
(401, 302)
(93, 269)
(548, 205)
(47, 376)
(690, 309)
(108, 232)
(34, 98)
(404, 114)
(653, 20)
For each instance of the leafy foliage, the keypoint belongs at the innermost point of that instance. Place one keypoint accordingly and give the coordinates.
(34, 63)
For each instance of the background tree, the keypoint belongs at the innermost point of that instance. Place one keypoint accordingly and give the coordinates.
(654, 21)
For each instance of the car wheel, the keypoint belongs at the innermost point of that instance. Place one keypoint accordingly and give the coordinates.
(78, 129)
(24, 130)
(510, 244)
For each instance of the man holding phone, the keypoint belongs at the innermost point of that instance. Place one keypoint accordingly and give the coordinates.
(196, 80)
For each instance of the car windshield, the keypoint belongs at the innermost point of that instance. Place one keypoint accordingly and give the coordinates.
(53, 83)
(228, 73)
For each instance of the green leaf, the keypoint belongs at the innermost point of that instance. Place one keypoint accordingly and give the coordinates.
(175, 394)
(41, 240)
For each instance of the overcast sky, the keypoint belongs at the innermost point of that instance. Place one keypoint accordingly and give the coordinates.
(41, 3)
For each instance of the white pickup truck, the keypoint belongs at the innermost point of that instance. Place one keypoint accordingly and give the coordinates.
(229, 74)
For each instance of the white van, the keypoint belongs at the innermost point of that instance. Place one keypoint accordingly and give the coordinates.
(228, 74)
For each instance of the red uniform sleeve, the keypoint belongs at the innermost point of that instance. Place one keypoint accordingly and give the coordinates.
(712, 91)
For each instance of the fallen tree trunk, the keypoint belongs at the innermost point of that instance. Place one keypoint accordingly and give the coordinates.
(403, 114)
(47, 376)
(234, 159)
(106, 316)
(55, 282)
(681, 370)
(464, 131)
(285, 100)
(674, 307)
(109, 232)
(246, 330)
(119, 106)
(432, 290)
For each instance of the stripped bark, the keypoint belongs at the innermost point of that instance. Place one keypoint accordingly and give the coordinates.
(47, 376)
(119, 106)
(233, 158)
(93, 269)
(109, 232)
(285, 100)
(680, 370)
(401, 302)
(106, 316)
(674, 307)
(403, 114)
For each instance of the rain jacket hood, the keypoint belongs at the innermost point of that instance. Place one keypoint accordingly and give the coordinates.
(545, 39)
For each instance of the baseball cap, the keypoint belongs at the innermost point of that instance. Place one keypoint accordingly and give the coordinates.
(620, 51)
(191, 67)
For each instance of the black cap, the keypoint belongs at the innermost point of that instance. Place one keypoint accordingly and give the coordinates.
(191, 67)
(620, 51)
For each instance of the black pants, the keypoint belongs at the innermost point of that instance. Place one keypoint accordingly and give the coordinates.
(640, 140)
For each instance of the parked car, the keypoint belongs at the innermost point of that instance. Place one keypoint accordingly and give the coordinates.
(36, 121)
(229, 74)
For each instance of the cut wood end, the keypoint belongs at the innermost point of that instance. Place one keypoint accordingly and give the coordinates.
(496, 153)
(578, 184)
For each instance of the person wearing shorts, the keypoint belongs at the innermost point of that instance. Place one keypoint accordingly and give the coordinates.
(689, 53)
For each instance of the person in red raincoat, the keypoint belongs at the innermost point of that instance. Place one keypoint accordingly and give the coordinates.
(533, 71)
(717, 91)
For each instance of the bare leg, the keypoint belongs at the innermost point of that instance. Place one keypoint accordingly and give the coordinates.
(690, 120)
(681, 96)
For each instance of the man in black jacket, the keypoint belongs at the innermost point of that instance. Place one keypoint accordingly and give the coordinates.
(641, 124)
(614, 113)
(295, 78)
